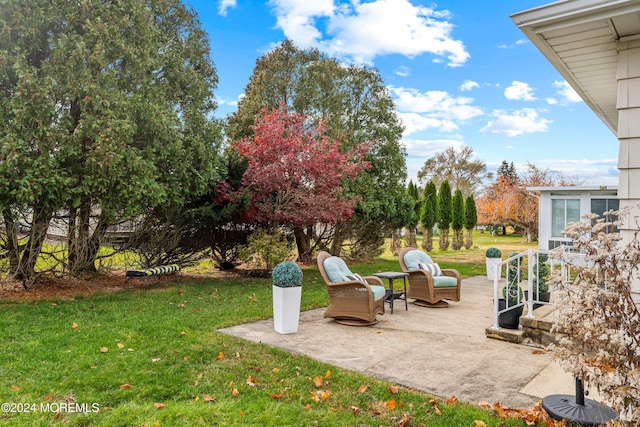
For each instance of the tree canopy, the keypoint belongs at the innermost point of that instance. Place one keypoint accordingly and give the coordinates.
(104, 113)
(356, 108)
(456, 166)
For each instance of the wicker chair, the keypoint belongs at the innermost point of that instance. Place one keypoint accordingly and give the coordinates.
(351, 302)
(428, 290)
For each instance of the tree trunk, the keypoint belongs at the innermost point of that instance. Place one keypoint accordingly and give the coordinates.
(410, 238)
(303, 243)
(11, 243)
(29, 252)
(396, 241)
(469, 239)
(444, 239)
(338, 240)
(458, 240)
(427, 239)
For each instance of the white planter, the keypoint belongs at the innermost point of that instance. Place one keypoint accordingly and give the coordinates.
(286, 309)
(493, 269)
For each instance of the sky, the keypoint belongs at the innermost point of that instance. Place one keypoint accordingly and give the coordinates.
(460, 72)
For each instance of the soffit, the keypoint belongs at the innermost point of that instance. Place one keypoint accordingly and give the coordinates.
(580, 38)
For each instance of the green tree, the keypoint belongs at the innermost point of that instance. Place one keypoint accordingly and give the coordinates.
(414, 215)
(444, 214)
(428, 215)
(508, 171)
(456, 166)
(457, 219)
(356, 108)
(470, 220)
(105, 110)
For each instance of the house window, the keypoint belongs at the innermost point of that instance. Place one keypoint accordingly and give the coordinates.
(600, 206)
(563, 211)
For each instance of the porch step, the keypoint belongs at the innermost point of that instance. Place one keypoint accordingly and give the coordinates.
(534, 331)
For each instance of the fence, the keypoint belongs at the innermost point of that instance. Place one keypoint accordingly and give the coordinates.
(538, 266)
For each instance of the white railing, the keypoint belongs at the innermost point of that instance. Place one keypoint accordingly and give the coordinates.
(533, 266)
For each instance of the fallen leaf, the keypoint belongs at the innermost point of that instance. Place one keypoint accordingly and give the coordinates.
(252, 381)
(15, 388)
(208, 398)
(325, 395)
(159, 405)
(391, 404)
(156, 424)
(452, 401)
(235, 392)
(318, 381)
(221, 355)
(306, 407)
(130, 349)
(435, 407)
(328, 374)
(74, 326)
(538, 352)
(48, 398)
(125, 386)
(275, 370)
(186, 358)
(276, 396)
(103, 349)
(157, 359)
(183, 333)
(120, 345)
(484, 405)
(355, 409)
(393, 389)
(363, 388)
(480, 423)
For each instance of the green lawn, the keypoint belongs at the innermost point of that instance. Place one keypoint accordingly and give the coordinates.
(149, 358)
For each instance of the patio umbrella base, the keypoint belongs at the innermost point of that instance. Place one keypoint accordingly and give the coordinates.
(578, 410)
(354, 322)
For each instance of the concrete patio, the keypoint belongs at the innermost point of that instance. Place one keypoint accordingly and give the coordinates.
(441, 351)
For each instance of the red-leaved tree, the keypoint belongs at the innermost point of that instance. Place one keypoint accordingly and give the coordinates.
(294, 175)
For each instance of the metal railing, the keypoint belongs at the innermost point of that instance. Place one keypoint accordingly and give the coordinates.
(534, 297)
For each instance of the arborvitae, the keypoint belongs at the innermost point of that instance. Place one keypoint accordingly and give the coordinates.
(470, 219)
(428, 217)
(457, 219)
(444, 214)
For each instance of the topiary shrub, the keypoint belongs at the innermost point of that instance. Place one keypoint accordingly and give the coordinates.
(493, 253)
(287, 274)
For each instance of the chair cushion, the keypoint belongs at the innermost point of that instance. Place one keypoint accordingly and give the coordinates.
(354, 277)
(378, 291)
(445, 282)
(434, 268)
(336, 269)
(412, 258)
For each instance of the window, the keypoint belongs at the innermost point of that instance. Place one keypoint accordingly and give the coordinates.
(563, 211)
(600, 206)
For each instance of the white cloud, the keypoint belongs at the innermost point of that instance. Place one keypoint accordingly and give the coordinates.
(432, 109)
(512, 45)
(225, 5)
(519, 91)
(552, 101)
(518, 123)
(360, 31)
(566, 92)
(402, 71)
(468, 85)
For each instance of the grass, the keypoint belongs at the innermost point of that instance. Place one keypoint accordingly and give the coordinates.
(154, 358)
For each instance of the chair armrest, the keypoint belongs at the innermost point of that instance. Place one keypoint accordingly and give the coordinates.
(452, 273)
(373, 280)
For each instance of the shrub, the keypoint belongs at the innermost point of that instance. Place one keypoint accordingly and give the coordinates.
(493, 253)
(598, 323)
(287, 274)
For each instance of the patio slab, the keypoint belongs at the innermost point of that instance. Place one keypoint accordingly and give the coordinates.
(441, 351)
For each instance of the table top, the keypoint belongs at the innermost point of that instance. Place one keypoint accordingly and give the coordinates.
(391, 274)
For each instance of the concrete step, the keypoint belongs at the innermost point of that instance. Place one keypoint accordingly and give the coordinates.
(534, 331)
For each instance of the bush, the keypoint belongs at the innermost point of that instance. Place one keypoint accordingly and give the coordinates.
(266, 250)
(493, 253)
(287, 274)
(597, 321)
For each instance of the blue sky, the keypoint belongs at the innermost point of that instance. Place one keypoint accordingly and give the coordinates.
(460, 73)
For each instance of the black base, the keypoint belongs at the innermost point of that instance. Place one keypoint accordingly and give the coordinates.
(564, 407)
